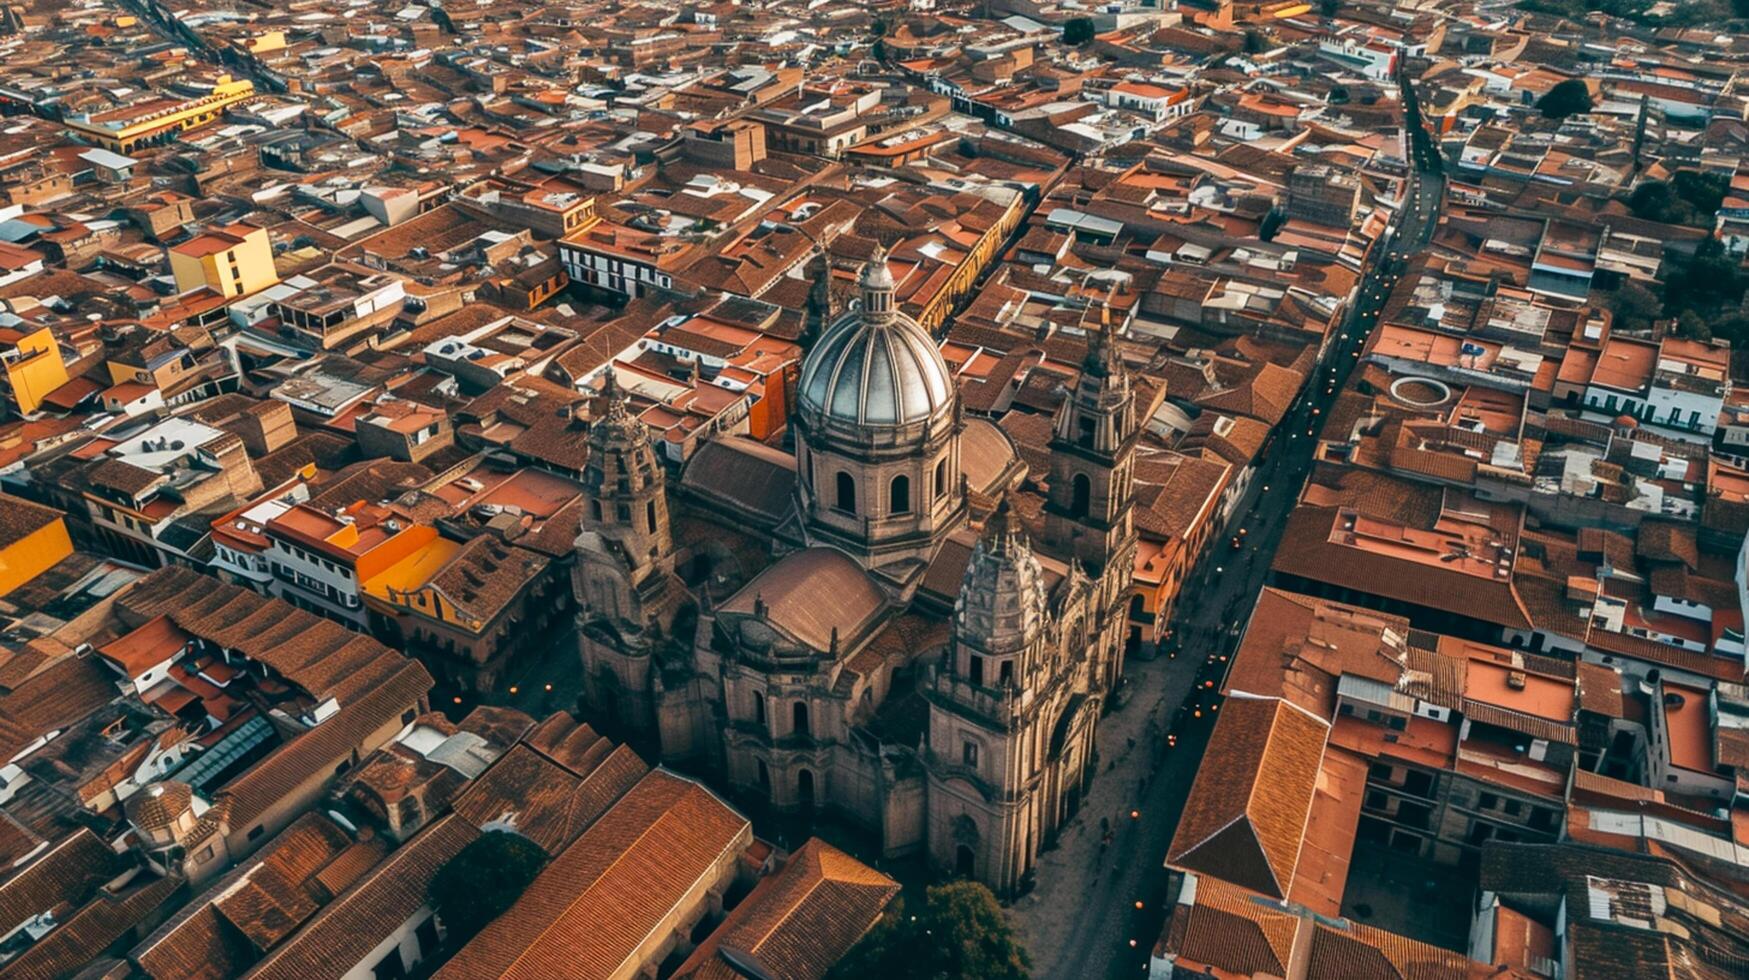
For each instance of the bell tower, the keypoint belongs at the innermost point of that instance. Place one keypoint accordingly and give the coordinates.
(1088, 510)
(623, 484)
(1009, 736)
(623, 581)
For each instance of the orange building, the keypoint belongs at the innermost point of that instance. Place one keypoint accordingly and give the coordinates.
(33, 538)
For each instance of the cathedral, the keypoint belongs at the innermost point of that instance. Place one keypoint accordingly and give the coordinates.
(898, 622)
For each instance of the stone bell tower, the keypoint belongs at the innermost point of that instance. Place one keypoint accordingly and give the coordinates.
(1009, 735)
(1089, 508)
(623, 581)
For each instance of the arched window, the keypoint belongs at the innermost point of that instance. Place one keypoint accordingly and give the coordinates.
(899, 498)
(846, 493)
(1081, 496)
(759, 708)
(805, 789)
(940, 479)
(800, 713)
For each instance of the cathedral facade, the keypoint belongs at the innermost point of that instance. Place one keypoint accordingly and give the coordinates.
(897, 622)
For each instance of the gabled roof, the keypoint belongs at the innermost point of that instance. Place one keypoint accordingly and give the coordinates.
(1247, 811)
(598, 903)
(799, 921)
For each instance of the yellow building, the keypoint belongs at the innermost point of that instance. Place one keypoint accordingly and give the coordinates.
(236, 260)
(33, 538)
(154, 121)
(34, 368)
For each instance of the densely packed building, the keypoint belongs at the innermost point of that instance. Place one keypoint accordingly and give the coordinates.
(648, 428)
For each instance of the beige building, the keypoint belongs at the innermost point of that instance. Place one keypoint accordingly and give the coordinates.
(863, 626)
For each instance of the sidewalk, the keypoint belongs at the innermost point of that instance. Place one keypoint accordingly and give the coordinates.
(1083, 900)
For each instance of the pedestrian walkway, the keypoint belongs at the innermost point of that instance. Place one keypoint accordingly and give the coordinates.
(1081, 899)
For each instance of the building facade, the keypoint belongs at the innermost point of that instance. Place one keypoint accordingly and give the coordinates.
(903, 656)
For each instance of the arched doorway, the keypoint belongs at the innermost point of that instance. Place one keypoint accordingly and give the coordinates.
(964, 862)
(805, 788)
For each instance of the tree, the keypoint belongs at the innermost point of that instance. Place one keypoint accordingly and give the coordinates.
(483, 880)
(1329, 8)
(1693, 326)
(1634, 305)
(1654, 200)
(1708, 282)
(1565, 99)
(1078, 31)
(959, 933)
(1705, 193)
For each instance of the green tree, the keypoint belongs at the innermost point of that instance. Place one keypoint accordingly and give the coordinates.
(1078, 31)
(1654, 200)
(1693, 326)
(483, 880)
(1703, 192)
(1709, 281)
(1565, 99)
(960, 933)
(1634, 305)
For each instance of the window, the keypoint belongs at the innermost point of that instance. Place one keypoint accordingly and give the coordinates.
(969, 753)
(595, 509)
(759, 708)
(1488, 801)
(940, 479)
(899, 497)
(846, 493)
(1418, 783)
(650, 515)
(408, 716)
(255, 832)
(800, 718)
(1005, 674)
(1081, 496)
(623, 513)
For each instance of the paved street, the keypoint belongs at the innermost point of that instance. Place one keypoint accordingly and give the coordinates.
(1098, 908)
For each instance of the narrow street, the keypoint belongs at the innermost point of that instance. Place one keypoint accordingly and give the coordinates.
(1098, 909)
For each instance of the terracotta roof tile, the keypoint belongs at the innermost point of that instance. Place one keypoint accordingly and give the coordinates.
(1247, 810)
(599, 901)
(799, 921)
(347, 929)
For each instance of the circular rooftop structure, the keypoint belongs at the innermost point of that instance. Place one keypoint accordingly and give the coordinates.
(876, 366)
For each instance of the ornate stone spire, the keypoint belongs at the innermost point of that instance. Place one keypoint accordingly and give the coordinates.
(1002, 606)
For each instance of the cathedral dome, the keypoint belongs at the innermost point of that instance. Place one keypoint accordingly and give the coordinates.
(876, 366)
